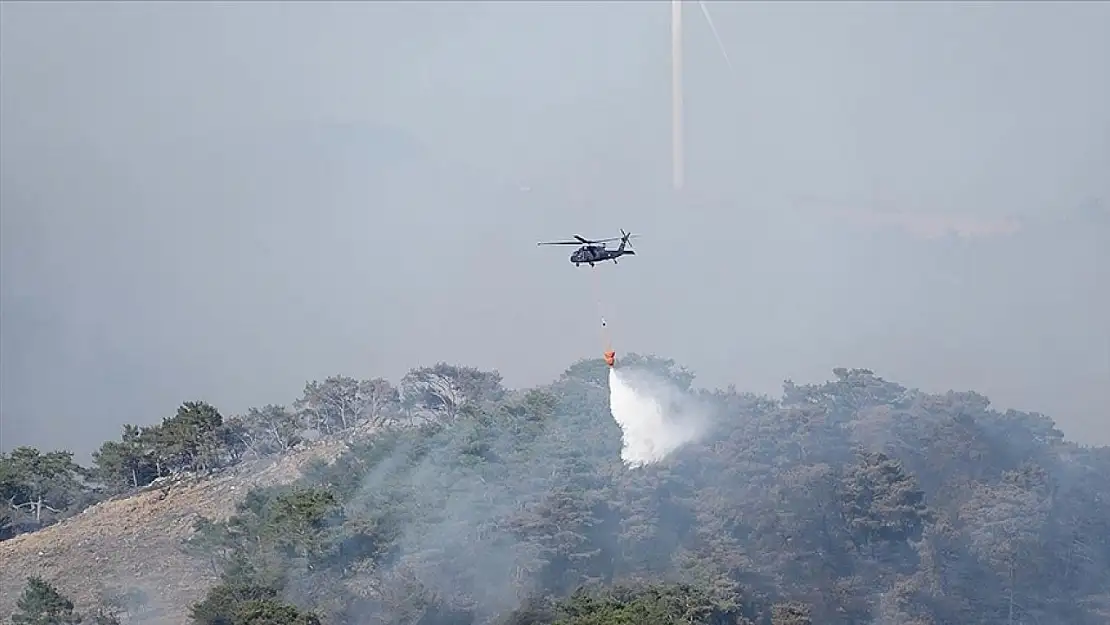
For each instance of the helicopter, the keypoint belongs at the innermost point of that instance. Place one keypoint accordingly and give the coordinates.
(595, 251)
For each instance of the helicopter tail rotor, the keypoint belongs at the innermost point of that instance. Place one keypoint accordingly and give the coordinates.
(626, 238)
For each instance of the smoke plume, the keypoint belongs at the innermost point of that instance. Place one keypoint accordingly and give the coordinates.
(655, 416)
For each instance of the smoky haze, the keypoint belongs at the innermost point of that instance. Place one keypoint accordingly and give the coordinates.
(222, 202)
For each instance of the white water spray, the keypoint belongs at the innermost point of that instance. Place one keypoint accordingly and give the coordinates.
(654, 415)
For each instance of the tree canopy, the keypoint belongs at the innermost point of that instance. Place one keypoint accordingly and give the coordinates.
(854, 500)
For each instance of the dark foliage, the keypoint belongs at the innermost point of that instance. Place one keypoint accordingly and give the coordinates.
(42, 604)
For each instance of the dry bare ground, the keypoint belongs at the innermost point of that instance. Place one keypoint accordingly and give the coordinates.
(134, 544)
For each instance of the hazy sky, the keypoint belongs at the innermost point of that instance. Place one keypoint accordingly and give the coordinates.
(221, 202)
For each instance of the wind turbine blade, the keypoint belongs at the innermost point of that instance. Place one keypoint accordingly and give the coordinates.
(716, 36)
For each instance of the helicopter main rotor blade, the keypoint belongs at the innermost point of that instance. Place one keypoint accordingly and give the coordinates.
(583, 241)
(592, 241)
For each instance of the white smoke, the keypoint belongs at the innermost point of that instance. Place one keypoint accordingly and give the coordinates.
(655, 416)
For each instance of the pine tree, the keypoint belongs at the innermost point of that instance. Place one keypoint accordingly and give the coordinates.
(42, 604)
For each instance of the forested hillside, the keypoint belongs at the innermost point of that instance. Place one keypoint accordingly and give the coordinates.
(459, 502)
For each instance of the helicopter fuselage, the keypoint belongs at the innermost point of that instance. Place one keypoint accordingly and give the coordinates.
(591, 254)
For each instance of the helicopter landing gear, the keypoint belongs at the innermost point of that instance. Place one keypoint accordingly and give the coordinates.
(577, 264)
